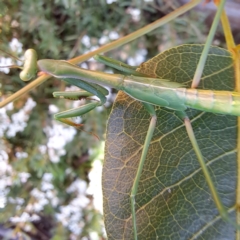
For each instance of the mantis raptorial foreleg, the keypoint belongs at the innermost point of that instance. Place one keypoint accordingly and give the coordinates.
(91, 90)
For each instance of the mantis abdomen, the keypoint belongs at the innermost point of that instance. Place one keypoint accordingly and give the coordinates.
(223, 102)
(172, 95)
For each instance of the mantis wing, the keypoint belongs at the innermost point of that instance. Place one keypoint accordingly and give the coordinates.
(173, 199)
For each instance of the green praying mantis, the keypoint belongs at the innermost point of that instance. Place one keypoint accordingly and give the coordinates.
(149, 91)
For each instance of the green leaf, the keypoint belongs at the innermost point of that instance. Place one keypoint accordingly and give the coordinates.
(173, 200)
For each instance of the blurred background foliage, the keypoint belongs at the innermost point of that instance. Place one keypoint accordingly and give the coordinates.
(43, 187)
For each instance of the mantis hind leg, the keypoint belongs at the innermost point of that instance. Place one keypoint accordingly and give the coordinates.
(148, 139)
(202, 163)
(76, 112)
(222, 210)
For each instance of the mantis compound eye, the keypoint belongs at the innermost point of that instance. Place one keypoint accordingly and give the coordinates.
(30, 65)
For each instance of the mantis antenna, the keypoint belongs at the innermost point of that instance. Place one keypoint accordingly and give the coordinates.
(30, 65)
